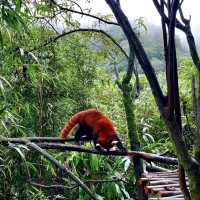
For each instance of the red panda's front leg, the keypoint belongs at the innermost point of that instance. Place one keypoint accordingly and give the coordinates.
(118, 143)
(96, 143)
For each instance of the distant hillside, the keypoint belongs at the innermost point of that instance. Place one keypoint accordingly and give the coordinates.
(152, 42)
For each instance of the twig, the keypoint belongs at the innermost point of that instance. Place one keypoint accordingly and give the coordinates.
(52, 186)
(105, 181)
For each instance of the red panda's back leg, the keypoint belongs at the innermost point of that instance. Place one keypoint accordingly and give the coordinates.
(83, 130)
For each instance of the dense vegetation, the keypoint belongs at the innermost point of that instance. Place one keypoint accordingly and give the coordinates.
(42, 87)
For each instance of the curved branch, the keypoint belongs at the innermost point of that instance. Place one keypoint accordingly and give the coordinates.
(83, 30)
(82, 13)
(77, 5)
(190, 40)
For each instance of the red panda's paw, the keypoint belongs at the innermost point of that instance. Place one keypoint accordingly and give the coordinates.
(98, 147)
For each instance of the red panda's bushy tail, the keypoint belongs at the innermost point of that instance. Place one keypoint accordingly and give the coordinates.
(69, 125)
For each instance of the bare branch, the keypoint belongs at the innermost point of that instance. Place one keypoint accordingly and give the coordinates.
(77, 5)
(78, 148)
(190, 40)
(184, 20)
(48, 22)
(105, 181)
(178, 23)
(180, 4)
(40, 139)
(145, 156)
(52, 186)
(82, 13)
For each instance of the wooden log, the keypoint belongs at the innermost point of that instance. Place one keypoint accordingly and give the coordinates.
(143, 155)
(78, 148)
(41, 139)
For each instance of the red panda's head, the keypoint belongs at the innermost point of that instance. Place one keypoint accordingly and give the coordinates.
(107, 142)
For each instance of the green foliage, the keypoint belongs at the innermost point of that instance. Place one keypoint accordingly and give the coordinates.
(39, 93)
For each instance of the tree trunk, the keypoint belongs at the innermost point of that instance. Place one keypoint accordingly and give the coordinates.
(133, 137)
(197, 138)
(191, 166)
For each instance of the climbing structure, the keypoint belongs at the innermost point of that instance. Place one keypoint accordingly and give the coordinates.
(162, 185)
(158, 185)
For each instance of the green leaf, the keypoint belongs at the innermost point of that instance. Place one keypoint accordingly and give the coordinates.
(6, 81)
(18, 150)
(2, 110)
(126, 193)
(127, 164)
(117, 188)
(18, 4)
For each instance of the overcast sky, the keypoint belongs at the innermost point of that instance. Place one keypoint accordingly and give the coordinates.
(145, 8)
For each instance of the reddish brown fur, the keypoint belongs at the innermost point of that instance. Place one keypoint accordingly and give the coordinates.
(101, 125)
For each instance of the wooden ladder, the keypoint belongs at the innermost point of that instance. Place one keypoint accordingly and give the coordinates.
(162, 185)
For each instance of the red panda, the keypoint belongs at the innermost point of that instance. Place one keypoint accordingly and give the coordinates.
(96, 126)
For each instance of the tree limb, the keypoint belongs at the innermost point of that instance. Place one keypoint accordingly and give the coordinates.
(82, 13)
(179, 25)
(55, 186)
(51, 40)
(40, 139)
(78, 148)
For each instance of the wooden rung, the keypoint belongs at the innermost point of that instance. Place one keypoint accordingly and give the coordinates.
(163, 182)
(168, 193)
(176, 185)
